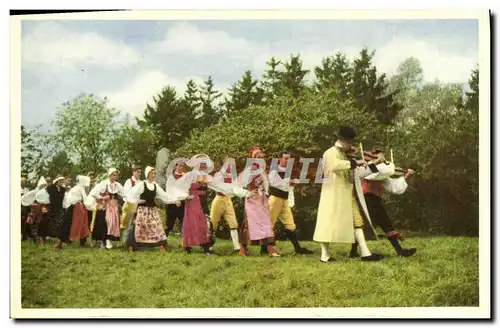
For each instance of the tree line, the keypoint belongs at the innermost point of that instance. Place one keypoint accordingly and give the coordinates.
(433, 128)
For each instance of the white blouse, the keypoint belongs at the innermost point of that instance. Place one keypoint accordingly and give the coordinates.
(114, 188)
(74, 195)
(134, 195)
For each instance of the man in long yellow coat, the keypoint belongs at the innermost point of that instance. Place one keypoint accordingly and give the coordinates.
(342, 207)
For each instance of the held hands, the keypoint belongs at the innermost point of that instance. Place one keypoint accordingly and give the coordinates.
(106, 197)
(380, 159)
(409, 173)
(141, 201)
(190, 197)
(251, 193)
(178, 203)
(360, 162)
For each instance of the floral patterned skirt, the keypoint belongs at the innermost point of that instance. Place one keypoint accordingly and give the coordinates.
(146, 229)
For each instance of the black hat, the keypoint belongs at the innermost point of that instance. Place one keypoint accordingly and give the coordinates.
(346, 133)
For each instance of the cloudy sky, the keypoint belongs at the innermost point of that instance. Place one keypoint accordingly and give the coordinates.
(130, 61)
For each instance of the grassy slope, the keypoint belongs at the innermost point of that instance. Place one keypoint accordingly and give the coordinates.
(443, 273)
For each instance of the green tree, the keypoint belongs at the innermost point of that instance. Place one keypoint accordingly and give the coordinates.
(244, 93)
(333, 74)
(292, 79)
(210, 108)
(133, 145)
(271, 79)
(31, 152)
(84, 129)
(171, 119)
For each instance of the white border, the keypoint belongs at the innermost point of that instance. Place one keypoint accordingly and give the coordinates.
(484, 50)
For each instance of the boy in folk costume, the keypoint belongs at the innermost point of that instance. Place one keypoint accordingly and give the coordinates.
(174, 211)
(106, 224)
(36, 210)
(257, 225)
(222, 205)
(373, 186)
(341, 206)
(195, 231)
(75, 226)
(52, 196)
(146, 227)
(128, 209)
(280, 187)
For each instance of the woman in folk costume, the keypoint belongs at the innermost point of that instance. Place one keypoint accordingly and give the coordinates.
(257, 224)
(373, 186)
(75, 225)
(36, 210)
(222, 205)
(341, 206)
(147, 229)
(128, 208)
(195, 230)
(52, 196)
(106, 224)
(174, 211)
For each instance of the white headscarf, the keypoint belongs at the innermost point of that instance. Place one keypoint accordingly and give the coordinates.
(147, 170)
(83, 180)
(111, 171)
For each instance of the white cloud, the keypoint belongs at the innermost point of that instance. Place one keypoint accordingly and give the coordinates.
(187, 38)
(133, 98)
(437, 61)
(51, 44)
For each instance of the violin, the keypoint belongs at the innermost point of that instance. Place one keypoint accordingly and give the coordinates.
(355, 153)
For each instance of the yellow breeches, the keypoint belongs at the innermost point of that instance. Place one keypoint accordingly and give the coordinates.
(358, 219)
(279, 208)
(222, 206)
(94, 212)
(127, 212)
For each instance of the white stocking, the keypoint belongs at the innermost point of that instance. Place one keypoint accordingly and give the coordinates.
(360, 239)
(234, 237)
(325, 252)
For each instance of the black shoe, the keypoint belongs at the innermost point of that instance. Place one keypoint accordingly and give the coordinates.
(373, 257)
(407, 252)
(303, 250)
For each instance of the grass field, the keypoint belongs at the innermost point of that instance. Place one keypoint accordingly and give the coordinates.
(444, 272)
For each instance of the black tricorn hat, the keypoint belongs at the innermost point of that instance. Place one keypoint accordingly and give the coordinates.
(346, 133)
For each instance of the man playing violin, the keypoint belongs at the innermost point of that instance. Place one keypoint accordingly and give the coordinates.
(373, 187)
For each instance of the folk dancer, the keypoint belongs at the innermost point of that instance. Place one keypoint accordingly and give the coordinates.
(341, 206)
(222, 205)
(128, 209)
(52, 197)
(174, 211)
(373, 187)
(106, 224)
(195, 227)
(280, 187)
(36, 210)
(147, 229)
(75, 226)
(257, 224)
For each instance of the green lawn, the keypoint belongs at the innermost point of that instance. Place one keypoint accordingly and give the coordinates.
(444, 272)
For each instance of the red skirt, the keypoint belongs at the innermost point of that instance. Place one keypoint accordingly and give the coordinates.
(80, 224)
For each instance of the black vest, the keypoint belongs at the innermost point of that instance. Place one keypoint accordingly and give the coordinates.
(149, 196)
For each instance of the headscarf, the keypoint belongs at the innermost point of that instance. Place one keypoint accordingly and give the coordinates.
(148, 170)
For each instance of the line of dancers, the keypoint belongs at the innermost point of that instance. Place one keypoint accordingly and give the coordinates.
(350, 204)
